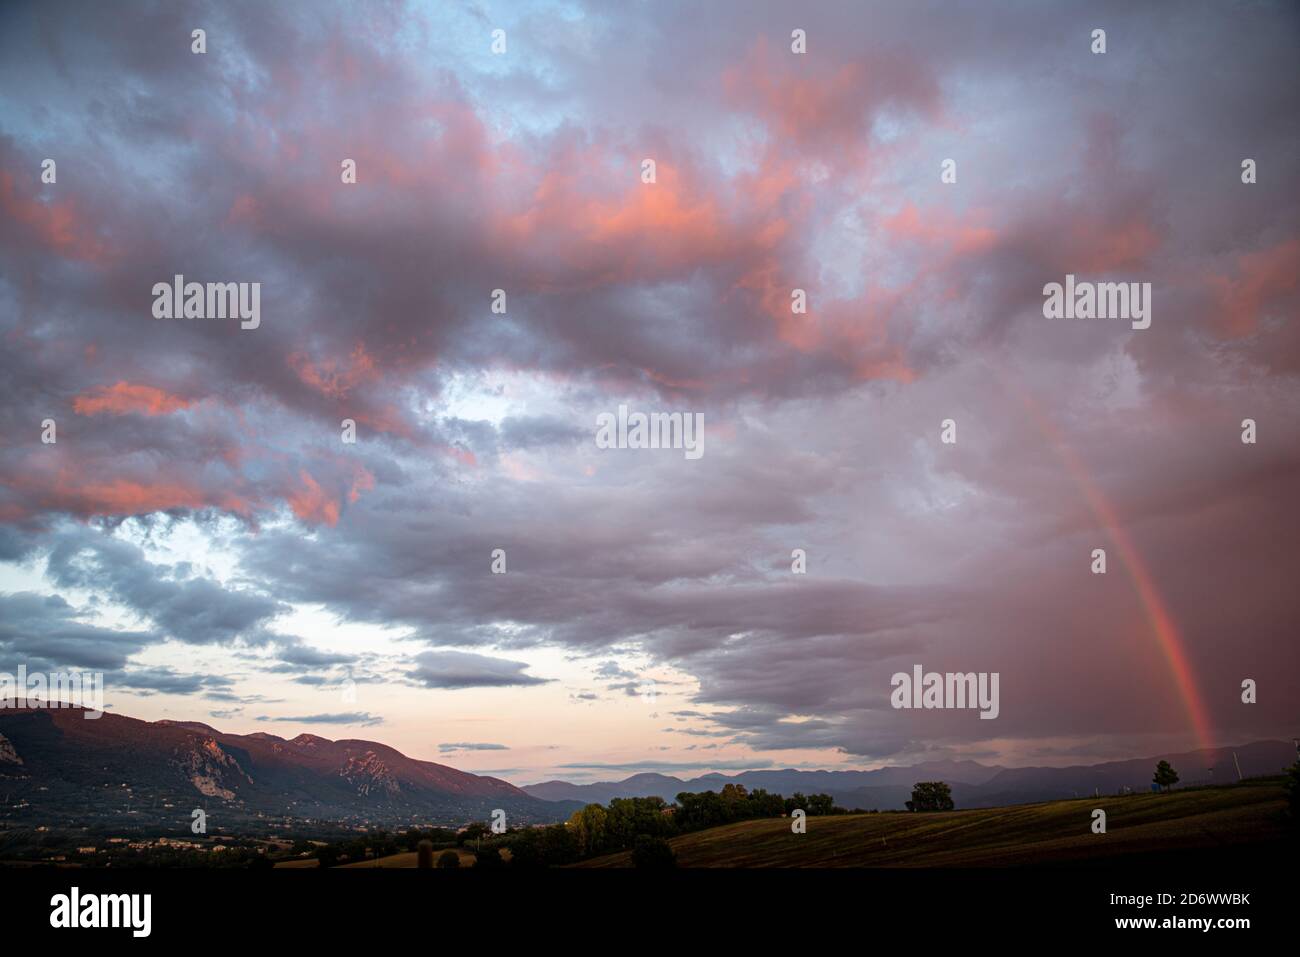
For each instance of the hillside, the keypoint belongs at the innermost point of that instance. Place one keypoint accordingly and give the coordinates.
(1249, 815)
(56, 766)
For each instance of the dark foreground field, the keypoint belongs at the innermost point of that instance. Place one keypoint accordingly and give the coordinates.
(1213, 820)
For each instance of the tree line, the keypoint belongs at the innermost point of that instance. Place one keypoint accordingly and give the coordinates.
(644, 825)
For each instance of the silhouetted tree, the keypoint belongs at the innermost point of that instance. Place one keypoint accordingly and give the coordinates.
(931, 796)
(1292, 788)
(489, 857)
(731, 793)
(543, 847)
(819, 804)
(1165, 775)
(424, 852)
(653, 853)
(449, 858)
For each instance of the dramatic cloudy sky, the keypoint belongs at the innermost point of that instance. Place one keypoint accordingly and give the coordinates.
(201, 534)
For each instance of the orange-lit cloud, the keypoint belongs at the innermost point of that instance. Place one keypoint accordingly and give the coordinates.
(56, 226)
(1262, 278)
(123, 397)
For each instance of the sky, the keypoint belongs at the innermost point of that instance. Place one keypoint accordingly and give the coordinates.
(201, 533)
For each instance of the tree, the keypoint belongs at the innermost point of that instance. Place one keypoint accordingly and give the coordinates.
(558, 845)
(1292, 788)
(424, 852)
(820, 804)
(766, 805)
(698, 811)
(543, 847)
(627, 818)
(489, 857)
(732, 793)
(449, 858)
(588, 825)
(1165, 775)
(653, 853)
(525, 851)
(931, 796)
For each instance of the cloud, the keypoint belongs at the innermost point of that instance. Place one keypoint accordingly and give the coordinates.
(298, 655)
(350, 717)
(460, 669)
(190, 610)
(45, 630)
(125, 397)
(670, 766)
(612, 669)
(475, 429)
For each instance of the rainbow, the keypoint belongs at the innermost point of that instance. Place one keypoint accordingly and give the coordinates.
(1162, 623)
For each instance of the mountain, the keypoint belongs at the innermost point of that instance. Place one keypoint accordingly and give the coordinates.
(973, 785)
(638, 785)
(61, 769)
(1193, 767)
(882, 785)
(58, 766)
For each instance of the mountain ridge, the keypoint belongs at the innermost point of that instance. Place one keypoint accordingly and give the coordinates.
(57, 762)
(977, 786)
(65, 763)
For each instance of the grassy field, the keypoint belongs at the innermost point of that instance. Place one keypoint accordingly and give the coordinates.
(411, 859)
(1059, 832)
(405, 859)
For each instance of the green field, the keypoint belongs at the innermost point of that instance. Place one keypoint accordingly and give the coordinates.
(1250, 815)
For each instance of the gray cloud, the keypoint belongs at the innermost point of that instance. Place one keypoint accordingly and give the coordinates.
(821, 435)
(460, 669)
(349, 717)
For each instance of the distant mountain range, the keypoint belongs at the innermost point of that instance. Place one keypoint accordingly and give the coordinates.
(59, 768)
(63, 770)
(973, 785)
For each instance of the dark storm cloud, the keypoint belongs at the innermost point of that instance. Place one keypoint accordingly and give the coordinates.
(775, 171)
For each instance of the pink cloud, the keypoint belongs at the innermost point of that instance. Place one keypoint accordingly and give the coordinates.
(123, 397)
